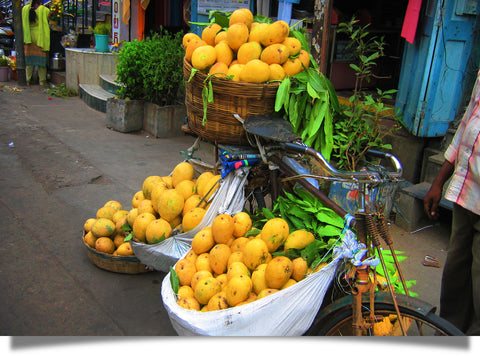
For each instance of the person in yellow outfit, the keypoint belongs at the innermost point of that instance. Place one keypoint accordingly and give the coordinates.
(36, 38)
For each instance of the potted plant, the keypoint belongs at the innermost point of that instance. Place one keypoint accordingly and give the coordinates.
(125, 111)
(151, 75)
(56, 11)
(164, 85)
(4, 68)
(101, 32)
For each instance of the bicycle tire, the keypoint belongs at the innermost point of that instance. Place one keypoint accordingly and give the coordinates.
(336, 319)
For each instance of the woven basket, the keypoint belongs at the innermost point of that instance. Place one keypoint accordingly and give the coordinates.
(118, 264)
(229, 97)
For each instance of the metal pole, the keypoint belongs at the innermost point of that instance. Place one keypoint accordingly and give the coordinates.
(19, 52)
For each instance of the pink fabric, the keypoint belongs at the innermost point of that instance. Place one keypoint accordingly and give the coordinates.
(411, 20)
(464, 152)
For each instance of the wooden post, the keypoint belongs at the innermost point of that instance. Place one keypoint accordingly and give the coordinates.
(321, 34)
(19, 53)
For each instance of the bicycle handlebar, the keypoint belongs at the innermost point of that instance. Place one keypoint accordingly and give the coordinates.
(302, 149)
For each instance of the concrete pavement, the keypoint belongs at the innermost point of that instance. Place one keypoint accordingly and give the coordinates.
(59, 164)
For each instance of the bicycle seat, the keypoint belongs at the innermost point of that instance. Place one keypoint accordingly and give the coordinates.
(270, 127)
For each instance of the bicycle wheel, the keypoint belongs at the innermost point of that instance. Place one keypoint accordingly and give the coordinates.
(419, 318)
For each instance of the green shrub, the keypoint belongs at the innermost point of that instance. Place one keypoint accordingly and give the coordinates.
(102, 29)
(131, 60)
(152, 69)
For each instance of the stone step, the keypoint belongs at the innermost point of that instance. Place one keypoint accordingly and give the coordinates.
(108, 83)
(409, 207)
(432, 162)
(95, 96)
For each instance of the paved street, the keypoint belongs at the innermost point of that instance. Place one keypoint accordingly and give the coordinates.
(59, 164)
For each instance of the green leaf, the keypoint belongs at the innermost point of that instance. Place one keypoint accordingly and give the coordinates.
(316, 117)
(329, 230)
(312, 92)
(174, 281)
(129, 237)
(282, 93)
(328, 216)
(126, 227)
(253, 232)
(268, 213)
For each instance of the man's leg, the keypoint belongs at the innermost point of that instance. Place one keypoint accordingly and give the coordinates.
(474, 328)
(456, 290)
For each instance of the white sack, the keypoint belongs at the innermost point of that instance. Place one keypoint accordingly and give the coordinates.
(288, 312)
(229, 199)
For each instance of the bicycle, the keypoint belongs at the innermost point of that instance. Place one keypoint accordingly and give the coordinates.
(364, 310)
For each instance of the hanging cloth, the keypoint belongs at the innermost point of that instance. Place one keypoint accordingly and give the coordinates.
(144, 4)
(126, 12)
(411, 20)
(141, 22)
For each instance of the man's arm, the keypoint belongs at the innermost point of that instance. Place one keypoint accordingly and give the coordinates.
(434, 195)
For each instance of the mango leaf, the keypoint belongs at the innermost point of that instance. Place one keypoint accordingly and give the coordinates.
(328, 216)
(126, 227)
(253, 232)
(329, 230)
(174, 281)
(313, 250)
(312, 92)
(317, 117)
(129, 237)
(282, 94)
(268, 213)
(305, 196)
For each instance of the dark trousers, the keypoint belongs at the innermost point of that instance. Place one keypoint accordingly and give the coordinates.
(460, 291)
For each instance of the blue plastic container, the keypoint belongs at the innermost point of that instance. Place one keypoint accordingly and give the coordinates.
(101, 43)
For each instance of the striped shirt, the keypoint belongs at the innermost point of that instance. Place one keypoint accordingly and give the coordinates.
(464, 153)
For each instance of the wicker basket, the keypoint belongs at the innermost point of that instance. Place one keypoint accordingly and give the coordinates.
(229, 97)
(118, 264)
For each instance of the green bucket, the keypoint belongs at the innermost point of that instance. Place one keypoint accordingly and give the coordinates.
(101, 43)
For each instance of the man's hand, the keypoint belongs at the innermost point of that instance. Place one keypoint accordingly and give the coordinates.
(431, 200)
(434, 195)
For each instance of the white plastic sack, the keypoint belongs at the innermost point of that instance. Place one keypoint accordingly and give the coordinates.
(228, 199)
(288, 312)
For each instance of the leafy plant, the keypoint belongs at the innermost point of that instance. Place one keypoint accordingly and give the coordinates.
(358, 128)
(4, 61)
(163, 72)
(309, 102)
(151, 69)
(102, 29)
(302, 211)
(61, 91)
(131, 60)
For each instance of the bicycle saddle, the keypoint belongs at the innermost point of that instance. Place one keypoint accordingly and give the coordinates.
(270, 127)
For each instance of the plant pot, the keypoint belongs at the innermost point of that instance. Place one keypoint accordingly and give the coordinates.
(164, 121)
(4, 74)
(101, 43)
(13, 74)
(124, 115)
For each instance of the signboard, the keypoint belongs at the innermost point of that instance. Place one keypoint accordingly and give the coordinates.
(205, 6)
(116, 15)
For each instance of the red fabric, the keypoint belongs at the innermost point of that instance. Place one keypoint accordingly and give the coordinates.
(411, 20)
(141, 22)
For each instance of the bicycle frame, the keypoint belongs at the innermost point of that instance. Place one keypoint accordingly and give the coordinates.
(363, 220)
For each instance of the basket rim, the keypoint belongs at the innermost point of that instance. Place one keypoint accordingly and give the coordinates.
(107, 256)
(188, 66)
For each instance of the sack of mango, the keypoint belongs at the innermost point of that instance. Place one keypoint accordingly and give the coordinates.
(247, 48)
